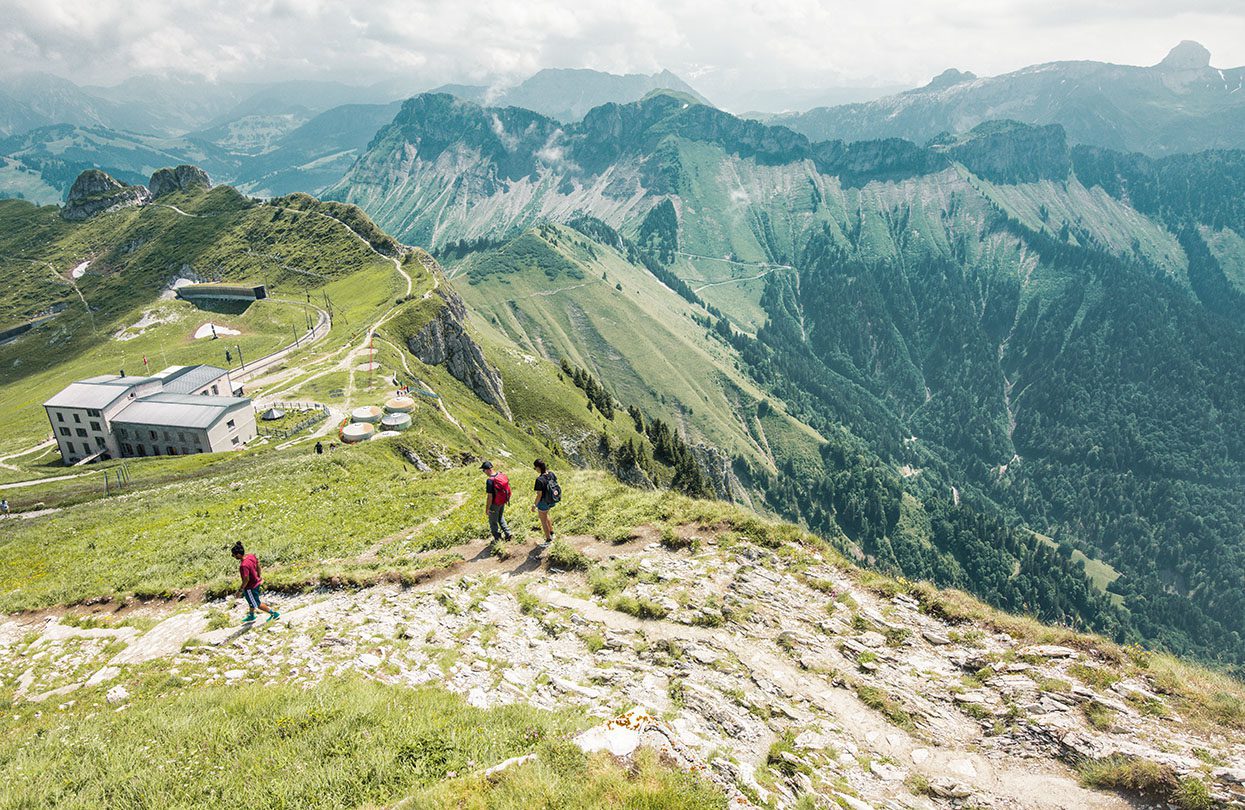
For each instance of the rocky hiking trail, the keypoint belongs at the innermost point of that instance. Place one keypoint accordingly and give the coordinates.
(771, 682)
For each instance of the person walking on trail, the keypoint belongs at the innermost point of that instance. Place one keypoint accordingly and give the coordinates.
(248, 569)
(319, 448)
(548, 493)
(4, 506)
(496, 496)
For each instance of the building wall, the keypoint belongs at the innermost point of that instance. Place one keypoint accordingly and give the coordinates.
(222, 436)
(135, 439)
(80, 432)
(88, 426)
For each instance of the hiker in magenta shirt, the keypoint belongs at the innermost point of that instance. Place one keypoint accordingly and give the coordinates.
(248, 569)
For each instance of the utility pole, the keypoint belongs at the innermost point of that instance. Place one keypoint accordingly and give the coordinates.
(241, 362)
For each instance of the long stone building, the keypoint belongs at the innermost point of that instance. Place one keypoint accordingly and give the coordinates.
(182, 410)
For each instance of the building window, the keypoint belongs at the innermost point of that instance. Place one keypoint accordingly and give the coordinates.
(60, 417)
(95, 426)
(69, 446)
(142, 451)
(235, 440)
(127, 449)
(172, 450)
(64, 431)
(230, 424)
(155, 449)
(215, 390)
(77, 417)
(81, 432)
(92, 412)
(153, 434)
(99, 442)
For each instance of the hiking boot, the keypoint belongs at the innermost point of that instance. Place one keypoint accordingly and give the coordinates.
(250, 617)
(272, 614)
(546, 541)
(509, 537)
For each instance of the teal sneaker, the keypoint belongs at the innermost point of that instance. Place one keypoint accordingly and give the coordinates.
(250, 617)
(272, 615)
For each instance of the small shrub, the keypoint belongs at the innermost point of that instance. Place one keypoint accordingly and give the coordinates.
(1094, 676)
(672, 541)
(528, 603)
(1100, 717)
(640, 608)
(564, 555)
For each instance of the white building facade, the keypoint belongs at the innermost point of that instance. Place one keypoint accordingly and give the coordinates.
(179, 411)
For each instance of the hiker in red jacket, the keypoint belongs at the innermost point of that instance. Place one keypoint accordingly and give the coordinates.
(496, 496)
(248, 569)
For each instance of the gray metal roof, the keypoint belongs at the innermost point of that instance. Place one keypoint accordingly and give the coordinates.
(179, 410)
(98, 392)
(185, 379)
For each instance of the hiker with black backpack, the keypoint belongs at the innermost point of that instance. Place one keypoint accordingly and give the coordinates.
(496, 496)
(548, 493)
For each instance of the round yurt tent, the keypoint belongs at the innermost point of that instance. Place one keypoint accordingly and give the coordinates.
(396, 421)
(400, 405)
(358, 432)
(367, 413)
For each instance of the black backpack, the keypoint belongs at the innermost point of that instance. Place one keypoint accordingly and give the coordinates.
(553, 490)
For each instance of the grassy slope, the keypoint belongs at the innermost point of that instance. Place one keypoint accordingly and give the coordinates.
(641, 339)
(350, 743)
(134, 254)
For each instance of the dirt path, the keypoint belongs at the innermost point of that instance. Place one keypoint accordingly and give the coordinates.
(43, 445)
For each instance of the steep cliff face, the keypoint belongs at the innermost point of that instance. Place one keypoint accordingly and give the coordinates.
(95, 192)
(182, 178)
(444, 341)
(1010, 152)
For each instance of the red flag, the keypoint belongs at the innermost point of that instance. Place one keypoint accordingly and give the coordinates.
(144, 361)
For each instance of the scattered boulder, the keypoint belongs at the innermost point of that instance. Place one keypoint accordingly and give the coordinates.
(946, 788)
(117, 694)
(96, 192)
(182, 178)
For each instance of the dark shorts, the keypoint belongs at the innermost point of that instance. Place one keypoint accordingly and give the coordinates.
(544, 506)
(252, 597)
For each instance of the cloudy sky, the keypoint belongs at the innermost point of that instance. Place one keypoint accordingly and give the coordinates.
(732, 50)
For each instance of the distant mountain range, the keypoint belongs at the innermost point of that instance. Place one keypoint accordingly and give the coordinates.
(266, 139)
(568, 94)
(282, 137)
(1182, 104)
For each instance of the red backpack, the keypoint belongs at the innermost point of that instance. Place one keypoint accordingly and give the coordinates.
(501, 490)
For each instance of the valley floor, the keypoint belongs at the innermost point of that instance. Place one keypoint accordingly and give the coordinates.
(769, 671)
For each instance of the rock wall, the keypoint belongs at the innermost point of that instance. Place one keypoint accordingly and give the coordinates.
(444, 341)
(182, 178)
(96, 192)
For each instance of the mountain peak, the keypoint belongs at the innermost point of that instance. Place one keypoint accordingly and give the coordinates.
(948, 78)
(1188, 55)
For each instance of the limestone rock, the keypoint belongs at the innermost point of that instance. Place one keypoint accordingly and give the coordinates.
(444, 342)
(1048, 651)
(946, 788)
(182, 178)
(95, 192)
(117, 694)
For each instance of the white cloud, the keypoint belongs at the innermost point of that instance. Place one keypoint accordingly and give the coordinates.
(735, 49)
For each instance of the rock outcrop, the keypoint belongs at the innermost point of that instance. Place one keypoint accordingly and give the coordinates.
(182, 178)
(96, 192)
(444, 341)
